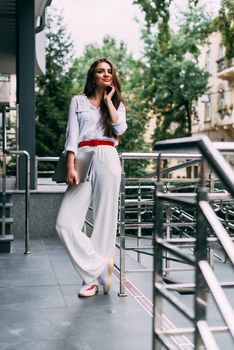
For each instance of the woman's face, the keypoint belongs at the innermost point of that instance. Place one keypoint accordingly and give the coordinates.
(103, 75)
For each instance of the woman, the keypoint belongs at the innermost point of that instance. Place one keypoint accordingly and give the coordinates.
(95, 120)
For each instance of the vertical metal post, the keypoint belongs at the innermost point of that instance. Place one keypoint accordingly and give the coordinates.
(4, 173)
(17, 147)
(4, 196)
(27, 203)
(211, 182)
(158, 268)
(211, 245)
(122, 233)
(139, 221)
(36, 172)
(159, 168)
(168, 233)
(200, 254)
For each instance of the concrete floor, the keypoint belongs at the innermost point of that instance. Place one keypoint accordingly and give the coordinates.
(40, 310)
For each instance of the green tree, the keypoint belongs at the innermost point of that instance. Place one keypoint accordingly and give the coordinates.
(54, 89)
(225, 24)
(156, 11)
(173, 79)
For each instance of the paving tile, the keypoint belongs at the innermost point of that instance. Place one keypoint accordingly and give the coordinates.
(68, 343)
(26, 263)
(18, 248)
(27, 278)
(34, 243)
(119, 321)
(27, 298)
(111, 342)
(30, 270)
(224, 341)
(65, 272)
(33, 325)
(40, 310)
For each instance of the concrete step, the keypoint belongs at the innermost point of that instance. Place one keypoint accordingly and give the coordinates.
(8, 223)
(7, 205)
(7, 220)
(5, 243)
(7, 208)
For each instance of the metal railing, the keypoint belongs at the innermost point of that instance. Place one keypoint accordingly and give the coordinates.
(171, 245)
(223, 63)
(7, 152)
(208, 227)
(140, 203)
(38, 160)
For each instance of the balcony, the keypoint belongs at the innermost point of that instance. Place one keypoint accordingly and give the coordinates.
(226, 69)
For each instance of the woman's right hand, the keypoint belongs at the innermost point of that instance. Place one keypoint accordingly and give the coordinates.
(72, 177)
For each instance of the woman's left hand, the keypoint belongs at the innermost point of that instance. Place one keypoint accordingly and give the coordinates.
(108, 95)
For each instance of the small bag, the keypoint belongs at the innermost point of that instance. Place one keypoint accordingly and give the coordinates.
(60, 170)
(83, 166)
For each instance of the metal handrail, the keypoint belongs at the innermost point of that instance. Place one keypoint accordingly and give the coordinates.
(155, 155)
(204, 273)
(6, 152)
(208, 151)
(219, 296)
(47, 159)
(219, 230)
(42, 159)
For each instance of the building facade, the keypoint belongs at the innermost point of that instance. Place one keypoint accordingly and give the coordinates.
(215, 110)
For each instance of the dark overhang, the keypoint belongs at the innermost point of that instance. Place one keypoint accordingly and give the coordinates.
(8, 33)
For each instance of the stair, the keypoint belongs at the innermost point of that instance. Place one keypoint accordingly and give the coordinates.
(5, 223)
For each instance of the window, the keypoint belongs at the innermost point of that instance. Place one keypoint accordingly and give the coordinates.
(208, 111)
(221, 99)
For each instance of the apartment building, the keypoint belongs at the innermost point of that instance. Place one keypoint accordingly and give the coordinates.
(215, 109)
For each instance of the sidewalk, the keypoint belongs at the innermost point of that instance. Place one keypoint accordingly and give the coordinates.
(40, 310)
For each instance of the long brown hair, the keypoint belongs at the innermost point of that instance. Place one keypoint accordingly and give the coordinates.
(89, 91)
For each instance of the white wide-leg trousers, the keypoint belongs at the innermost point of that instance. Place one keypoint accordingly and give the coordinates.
(89, 255)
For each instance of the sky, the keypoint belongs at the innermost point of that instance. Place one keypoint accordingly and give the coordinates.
(89, 21)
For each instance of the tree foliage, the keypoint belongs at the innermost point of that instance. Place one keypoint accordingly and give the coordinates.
(54, 89)
(173, 79)
(66, 77)
(166, 82)
(225, 24)
(157, 10)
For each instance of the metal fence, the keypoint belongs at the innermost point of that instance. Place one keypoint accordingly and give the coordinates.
(209, 230)
(182, 231)
(140, 201)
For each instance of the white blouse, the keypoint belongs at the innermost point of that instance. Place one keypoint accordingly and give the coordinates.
(84, 123)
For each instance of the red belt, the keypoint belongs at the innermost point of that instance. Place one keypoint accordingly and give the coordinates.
(95, 143)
